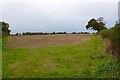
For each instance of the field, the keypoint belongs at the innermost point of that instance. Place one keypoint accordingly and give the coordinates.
(57, 56)
(45, 40)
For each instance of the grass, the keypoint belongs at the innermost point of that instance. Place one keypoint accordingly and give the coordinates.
(85, 60)
(0, 54)
(0, 57)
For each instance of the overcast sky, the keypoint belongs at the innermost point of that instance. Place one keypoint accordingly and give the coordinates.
(56, 15)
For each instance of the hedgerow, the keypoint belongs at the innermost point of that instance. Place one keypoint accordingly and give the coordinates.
(113, 34)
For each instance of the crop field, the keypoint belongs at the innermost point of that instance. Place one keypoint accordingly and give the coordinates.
(45, 40)
(57, 56)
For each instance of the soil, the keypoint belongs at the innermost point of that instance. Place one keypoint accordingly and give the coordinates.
(33, 41)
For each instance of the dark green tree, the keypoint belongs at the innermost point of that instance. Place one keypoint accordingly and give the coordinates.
(96, 25)
(5, 29)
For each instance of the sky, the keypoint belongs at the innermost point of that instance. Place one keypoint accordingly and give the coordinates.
(119, 10)
(56, 15)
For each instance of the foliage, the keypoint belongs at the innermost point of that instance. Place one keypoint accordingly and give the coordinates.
(84, 60)
(80, 33)
(42, 33)
(5, 29)
(113, 34)
(33, 33)
(97, 25)
(46, 33)
(109, 68)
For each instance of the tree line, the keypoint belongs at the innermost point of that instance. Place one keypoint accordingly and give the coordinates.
(46, 33)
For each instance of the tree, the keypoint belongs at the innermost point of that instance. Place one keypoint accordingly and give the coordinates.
(17, 34)
(96, 25)
(5, 29)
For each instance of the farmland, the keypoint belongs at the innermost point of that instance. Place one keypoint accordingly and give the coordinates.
(57, 56)
(45, 40)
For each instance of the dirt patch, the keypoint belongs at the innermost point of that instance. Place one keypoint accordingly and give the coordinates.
(110, 47)
(33, 41)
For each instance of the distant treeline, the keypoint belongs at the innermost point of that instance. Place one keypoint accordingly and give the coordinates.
(45, 33)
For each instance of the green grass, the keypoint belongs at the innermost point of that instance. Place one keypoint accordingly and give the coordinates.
(4, 41)
(85, 60)
(0, 57)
